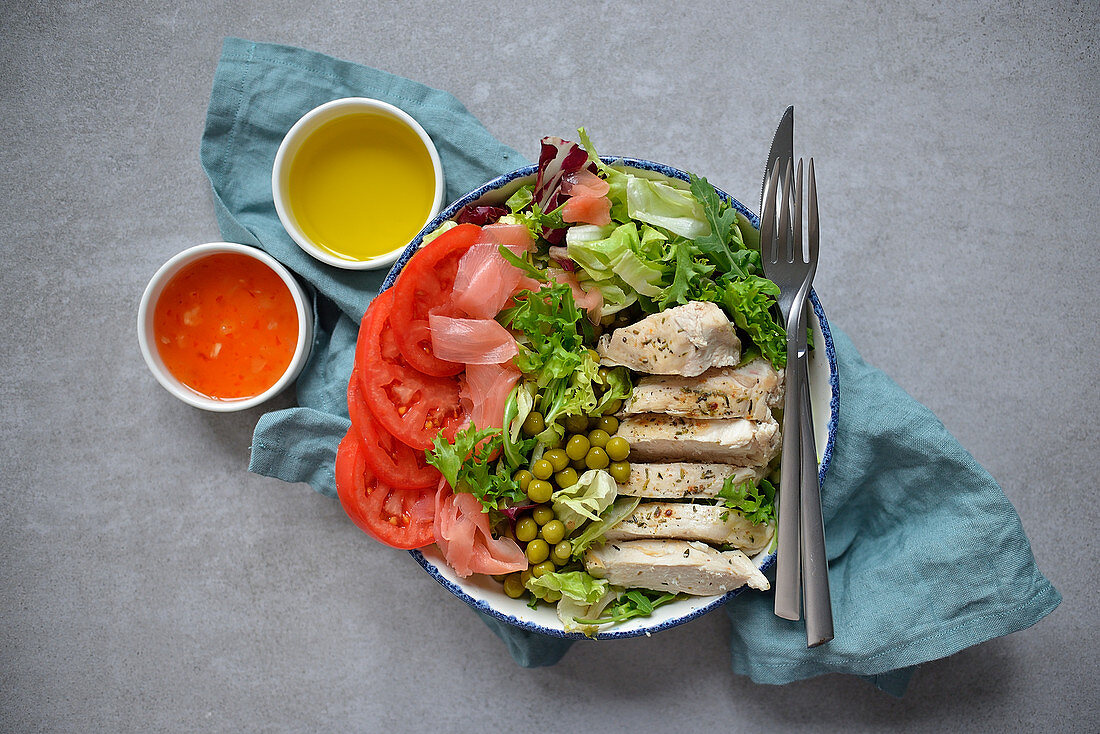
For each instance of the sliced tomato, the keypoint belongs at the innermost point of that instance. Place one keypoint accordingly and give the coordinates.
(392, 461)
(400, 518)
(425, 285)
(412, 406)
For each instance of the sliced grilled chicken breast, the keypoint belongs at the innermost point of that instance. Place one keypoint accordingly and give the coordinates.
(681, 480)
(686, 340)
(713, 524)
(749, 391)
(655, 437)
(679, 566)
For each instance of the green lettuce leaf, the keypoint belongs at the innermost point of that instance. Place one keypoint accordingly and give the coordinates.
(576, 585)
(593, 493)
(756, 503)
(664, 205)
(615, 257)
(519, 405)
(620, 509)
(748, 301)
(466, 466)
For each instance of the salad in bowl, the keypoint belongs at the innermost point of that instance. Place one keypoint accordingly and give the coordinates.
(564, 399)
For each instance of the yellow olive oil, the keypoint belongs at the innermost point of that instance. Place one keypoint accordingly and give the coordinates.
(361, 185)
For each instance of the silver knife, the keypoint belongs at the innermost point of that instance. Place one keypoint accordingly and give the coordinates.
(812, 563)
(788, 571)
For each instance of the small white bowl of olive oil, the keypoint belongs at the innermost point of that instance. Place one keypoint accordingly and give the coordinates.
(355, 180)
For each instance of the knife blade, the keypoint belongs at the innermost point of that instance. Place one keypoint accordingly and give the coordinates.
(782, 147)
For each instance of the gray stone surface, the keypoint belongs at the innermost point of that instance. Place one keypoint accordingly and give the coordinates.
(148, 582)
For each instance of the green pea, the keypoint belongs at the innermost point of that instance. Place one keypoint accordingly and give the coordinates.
(542, 469)
(542, 568)
(613, 406)
(526, 529)
(537, 551)
(597, 438)
(608, 423)
(542, 514)
(540, 490)
(618, 448)
(577, 447)
(620, 471)
(523, 478)
(561, 553)
(576, 423)
(513, 586)
(525, 576)
(596, 459)
(602, 373)
(557, 458)
(578, 465)
(533, 423)
(567, 477)
(553, 532)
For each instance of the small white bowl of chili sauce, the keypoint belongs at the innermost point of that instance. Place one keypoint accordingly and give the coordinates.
(224, 326)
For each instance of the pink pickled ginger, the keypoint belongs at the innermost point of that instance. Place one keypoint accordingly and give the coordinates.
(463, 535)
(485, 391)
(471, 341)
(485, 281)
(514, 236)
(590, 300)
(584, 183)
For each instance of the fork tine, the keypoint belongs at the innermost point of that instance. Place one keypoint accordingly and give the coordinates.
(769, 251)
(796, 226)
(784, 249)
(811, 215)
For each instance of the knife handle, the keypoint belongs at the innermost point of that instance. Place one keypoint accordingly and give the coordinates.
(815, 564)
(788, 587)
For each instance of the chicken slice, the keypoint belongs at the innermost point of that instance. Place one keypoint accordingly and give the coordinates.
(685, 340)
(681, 480)
(680, 566)
(655, 437)
(749, 391)
(715, 524)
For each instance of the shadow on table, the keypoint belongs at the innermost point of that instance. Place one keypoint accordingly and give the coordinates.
(953, 689)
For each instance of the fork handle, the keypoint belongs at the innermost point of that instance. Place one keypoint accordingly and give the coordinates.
(788, 570)
(815, 564)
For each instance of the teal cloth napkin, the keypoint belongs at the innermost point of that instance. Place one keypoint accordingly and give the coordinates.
(926, 554)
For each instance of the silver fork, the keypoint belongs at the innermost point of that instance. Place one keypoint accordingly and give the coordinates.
(785, 265)
(816, 599)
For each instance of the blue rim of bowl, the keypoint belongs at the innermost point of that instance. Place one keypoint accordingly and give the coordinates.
(827, 455)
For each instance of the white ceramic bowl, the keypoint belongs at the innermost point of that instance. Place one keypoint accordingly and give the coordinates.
(152, 357)
(485, 595)
(292, 143)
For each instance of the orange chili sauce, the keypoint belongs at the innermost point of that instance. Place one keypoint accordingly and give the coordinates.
(226, 326)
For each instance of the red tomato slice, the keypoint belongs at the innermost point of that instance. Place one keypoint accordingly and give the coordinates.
(412, 406)
(400, 518)
(392, 461)
(425, 285)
